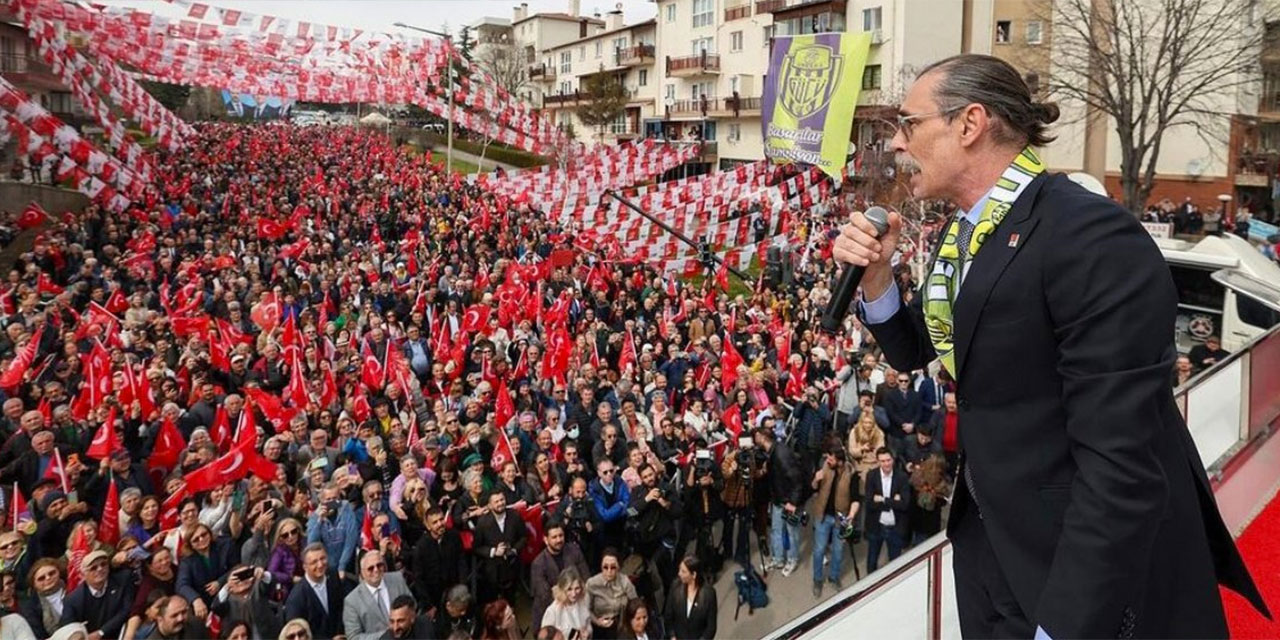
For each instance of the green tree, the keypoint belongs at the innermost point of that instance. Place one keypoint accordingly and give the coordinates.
(603, 100)
(172, 96)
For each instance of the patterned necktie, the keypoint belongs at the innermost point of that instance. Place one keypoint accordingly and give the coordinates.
(963, 237)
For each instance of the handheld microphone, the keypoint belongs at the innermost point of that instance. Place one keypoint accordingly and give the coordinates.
(838, 308)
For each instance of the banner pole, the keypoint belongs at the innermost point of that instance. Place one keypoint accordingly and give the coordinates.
(671, 230)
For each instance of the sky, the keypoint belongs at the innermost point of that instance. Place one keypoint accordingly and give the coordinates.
(382, 14)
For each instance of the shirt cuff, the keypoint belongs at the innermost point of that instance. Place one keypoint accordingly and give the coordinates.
(1041, 635)
(879, 311)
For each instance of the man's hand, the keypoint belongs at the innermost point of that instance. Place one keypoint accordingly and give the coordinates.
(500, 550)
(653, 494)
(857, 244)
(198, 607)
(907, 427)
(96, 635)
(878, 498)
(706, 481)
(789, 508)
(211, 588)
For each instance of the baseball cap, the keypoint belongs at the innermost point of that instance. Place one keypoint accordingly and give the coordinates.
(92, 557)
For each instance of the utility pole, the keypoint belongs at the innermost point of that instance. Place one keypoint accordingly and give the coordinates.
(448, 166)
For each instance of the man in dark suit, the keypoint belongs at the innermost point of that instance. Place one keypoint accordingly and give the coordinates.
(500, 537)
(888, 504)
(438, 561)
(318, 598)
(1082, 508)
(902, 403)
(102, 601)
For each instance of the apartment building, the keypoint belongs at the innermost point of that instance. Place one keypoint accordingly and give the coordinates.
(1239, 158)
(623, 52)
(536, 33)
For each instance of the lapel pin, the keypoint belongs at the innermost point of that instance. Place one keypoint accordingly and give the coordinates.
(1013, 240)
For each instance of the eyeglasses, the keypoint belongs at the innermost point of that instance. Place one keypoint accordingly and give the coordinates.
(48, 575)
(200, 536)
(297, 635)
(908, 122)
(607, 472)
(289, 534)
(98, 566)
(381, 566)
(10, 544)
(609, 567)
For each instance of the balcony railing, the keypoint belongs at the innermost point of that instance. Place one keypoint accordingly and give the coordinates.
(574, 97)
(738, 104)
(633, 55)
(737, 13)
(693, 105)
(769, 6)
(699, 62)
(542, 71)
(22, 63)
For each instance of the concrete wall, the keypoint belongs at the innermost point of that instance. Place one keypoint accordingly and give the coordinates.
(16, 195)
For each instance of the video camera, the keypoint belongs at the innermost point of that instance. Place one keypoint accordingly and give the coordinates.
(578, 513)
(797, 518)
(849, 529)
(703, 463)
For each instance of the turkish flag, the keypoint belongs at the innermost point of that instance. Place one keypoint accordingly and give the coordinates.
(732, 420)
(290, 337)
(198, 325)
(296, 391)
(224, 470)
(504, 408)
(476, 319)
(168, 447)
(105, 440)
(562, 257)
(247, 431)
(502, 454)
(329, 392)
(109, 526)
(117, 303)
(32, 216)
(627, 360)
(373, 374)
(795, 381)
(260, 466)
(12, 376)
(730, 362)
(722, 275)
(75, 556)
(220, 432)
(366, 532)
(266, 314)
(46, 285)
(270, 229)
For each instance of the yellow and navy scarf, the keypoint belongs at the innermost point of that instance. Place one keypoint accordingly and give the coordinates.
(943, 283)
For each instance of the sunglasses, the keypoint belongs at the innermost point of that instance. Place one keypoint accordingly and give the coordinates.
(381, 566)
(10, 545)
(289, 534)
(52, 575)
(297, 635)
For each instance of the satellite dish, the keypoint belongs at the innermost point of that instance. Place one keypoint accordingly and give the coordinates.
(669, 101)
(1088, 182)
(1195, 167)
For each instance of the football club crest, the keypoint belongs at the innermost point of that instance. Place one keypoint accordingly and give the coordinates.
(808, 79)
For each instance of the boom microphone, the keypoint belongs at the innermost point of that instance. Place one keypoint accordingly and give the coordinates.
(838, 308)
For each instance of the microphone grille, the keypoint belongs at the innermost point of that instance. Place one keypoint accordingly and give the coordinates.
(879, 218)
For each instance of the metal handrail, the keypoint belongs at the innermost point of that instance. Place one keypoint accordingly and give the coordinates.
(929, 552)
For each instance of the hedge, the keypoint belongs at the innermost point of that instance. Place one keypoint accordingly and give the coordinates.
(495, 152)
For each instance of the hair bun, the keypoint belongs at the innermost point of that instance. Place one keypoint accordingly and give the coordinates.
(1048, 111)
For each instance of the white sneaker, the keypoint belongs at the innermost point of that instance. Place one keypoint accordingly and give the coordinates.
(773, 563)
(788, 569)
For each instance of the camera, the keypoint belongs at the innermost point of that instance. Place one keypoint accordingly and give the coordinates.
(797, 518)
(849, 529)
(578, 513)
(704, 464)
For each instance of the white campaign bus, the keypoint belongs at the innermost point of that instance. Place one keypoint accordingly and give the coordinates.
(1225, 288)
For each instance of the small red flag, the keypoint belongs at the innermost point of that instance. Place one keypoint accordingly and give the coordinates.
(109, 526)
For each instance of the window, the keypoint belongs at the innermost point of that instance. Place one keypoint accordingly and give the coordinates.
(60, 102)
(643, 79)
(733, 84)
(620, 124)
(566, 87)
(1003, 28)
(871, 19)
(699, 89)
(620, 43)
(566, 61)
(671, 12)
(582, 53)
(735, 132)
(670, 91)
(768, 34)
(1034, 28)
(704, 44)
(735, 41)
(599, 49)
(703, 13)
(871, 77)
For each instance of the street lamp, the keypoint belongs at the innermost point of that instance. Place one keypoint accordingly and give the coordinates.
(449, 91)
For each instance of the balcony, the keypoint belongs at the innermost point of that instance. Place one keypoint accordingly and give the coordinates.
(736, 107)
(695, 65)
(737, 13)
(633, 56)
(1254, 169)
(691, 107)
(710, 150)
(769, 6)
(542, 72)
(557, 100)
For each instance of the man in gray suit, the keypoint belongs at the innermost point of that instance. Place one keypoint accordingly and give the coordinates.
(366, 610)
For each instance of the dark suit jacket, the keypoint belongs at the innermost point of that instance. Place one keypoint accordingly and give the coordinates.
(106, 614)
(901, 487)
(1091, 490)
(303, 603)
(194, 573)
(498, 570)
(437, 565)
(698, 623)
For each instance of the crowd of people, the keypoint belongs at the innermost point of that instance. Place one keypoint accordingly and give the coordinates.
(316, 387)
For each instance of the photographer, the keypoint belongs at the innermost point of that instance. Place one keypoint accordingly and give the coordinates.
(703, 507)
(835, 506)
(651, 522)
(582, 521)
(812, 419)
(334, 524)
(785, 486)
(742, 466)
(245, 597)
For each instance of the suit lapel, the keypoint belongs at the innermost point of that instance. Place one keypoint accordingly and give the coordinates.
(988, 265)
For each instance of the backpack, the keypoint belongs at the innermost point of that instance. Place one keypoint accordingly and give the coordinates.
(752, 590)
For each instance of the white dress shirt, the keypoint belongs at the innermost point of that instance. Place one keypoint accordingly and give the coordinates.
(322, 592)
(886, 487)
(380, 594)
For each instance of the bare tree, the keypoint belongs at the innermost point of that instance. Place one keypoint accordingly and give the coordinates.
(503, 63)
(1153, 66)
